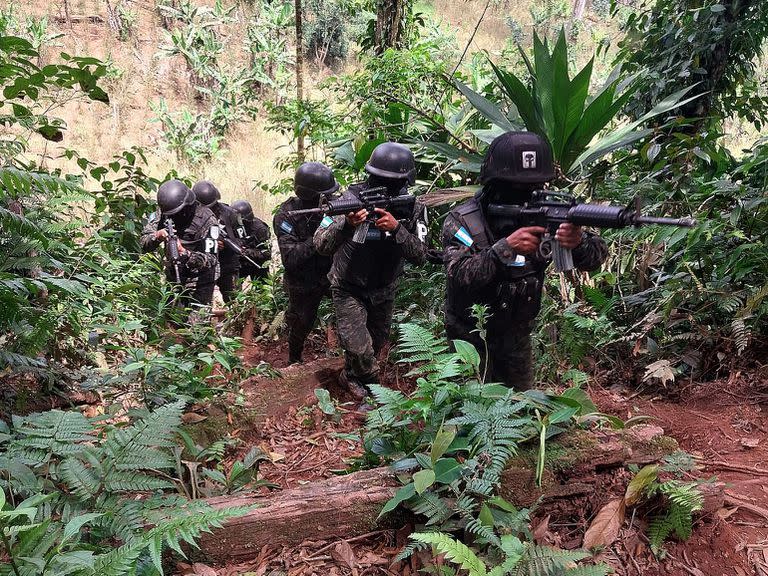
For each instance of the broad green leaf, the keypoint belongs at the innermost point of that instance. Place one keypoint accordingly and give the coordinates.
(443, 440)
(644, 478)
(423, 479)
(585, 402)
(73, 526)
(447, 470)
(487, 108)
(486, 516)
(403, 494)
(521, 97)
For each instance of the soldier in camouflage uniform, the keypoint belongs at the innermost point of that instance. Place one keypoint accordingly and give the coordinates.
(306, 271)
(364, 276)
(197, 231)
(254, 235)
(229, 221)
(506, 273)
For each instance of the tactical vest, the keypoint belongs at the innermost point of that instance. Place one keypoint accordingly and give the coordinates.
(516, 297)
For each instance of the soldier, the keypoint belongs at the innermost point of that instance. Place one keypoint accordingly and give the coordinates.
(306, 271)
(506, 273)
(254, 237)
(197, 231)
(229, 221)
(364, 276)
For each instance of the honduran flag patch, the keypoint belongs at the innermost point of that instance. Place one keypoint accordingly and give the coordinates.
(463, 236)
(286, 227)
(327, 221)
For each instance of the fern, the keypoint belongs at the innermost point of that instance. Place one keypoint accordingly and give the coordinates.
(683, 499)
(548, 561)
(454, 551)
(418, 344)
(433, 507)
(410, 549)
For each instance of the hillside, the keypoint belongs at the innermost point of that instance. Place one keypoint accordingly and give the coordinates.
(141, 75)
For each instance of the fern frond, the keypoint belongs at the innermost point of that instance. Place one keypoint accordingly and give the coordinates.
(80, 479)
(546, 561)
(485, 533)
(455, 551)
(409, 550)
(595, 570)
(119, 481)
(433, 507)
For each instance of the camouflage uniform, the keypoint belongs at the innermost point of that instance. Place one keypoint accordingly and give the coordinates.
(197, 267)
(364, 279)
(306, 271)
(229, 260)
(254, 236)
(484, 270)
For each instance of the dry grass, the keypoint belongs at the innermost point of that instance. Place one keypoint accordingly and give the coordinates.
(140, 76)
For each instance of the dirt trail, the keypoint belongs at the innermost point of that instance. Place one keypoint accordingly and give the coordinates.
(723, 424)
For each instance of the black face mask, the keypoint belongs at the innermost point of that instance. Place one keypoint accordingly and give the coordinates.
(396, 187)
(307, 203)
(504, 193)
(183, 218)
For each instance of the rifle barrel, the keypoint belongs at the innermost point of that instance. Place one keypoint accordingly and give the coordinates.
(306, 211)
(686, 222)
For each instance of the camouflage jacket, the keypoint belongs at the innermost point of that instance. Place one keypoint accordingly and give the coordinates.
(199, 262)
(304, 266)
(374, 266)
(484, 270)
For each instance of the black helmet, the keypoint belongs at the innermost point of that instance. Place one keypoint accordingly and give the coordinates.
(173, 196)
(519, 157)
(313, 179)
(207, 194)
(392, 160)
(243, 208)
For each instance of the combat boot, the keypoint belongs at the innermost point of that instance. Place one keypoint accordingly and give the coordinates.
(357, 390)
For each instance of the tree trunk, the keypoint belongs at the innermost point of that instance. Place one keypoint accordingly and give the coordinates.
(299, 77)
(578, 9)
(390, 24)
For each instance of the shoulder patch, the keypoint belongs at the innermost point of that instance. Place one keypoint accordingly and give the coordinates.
(327, 221)
(286, 227)
(463, 236)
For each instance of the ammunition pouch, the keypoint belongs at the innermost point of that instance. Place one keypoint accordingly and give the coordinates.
(518, 300)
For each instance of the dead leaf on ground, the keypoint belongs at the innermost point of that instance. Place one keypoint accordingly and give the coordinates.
(605, 527)
(203, 570)
(192, 418)
(343, 553)
(540, 532)
(724, 513)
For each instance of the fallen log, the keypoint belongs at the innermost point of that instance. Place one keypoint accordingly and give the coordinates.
(331, 509)
(347, 506)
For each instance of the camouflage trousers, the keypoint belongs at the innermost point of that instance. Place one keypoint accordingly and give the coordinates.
(303, 302)
(510, 354)
(226, 282)
(363, 327)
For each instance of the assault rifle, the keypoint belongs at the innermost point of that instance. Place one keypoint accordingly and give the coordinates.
(172, 247)
(549, 209)
(234, 246)
(401, 207)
